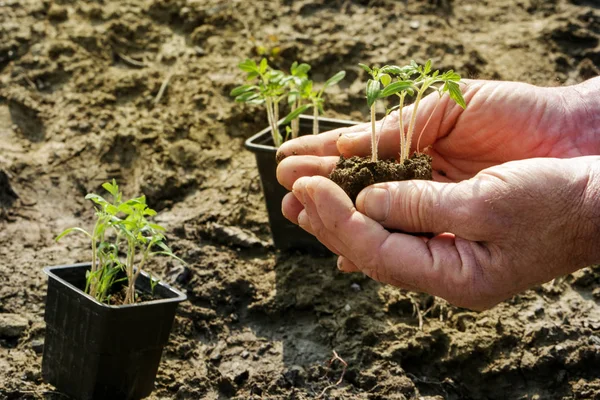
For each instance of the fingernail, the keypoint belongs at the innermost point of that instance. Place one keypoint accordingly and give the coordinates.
(339, 263)
(375, 202)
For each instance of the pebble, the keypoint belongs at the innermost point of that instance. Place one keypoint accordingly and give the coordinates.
(414, 24)
(12, 325)
(347, 307)
(356, 287)
(37, 345)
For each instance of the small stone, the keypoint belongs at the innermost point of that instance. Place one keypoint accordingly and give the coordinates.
(12, 325)
(414, 24)
(263, 348)
(37, 345)
(356, 287)
(594, 340)
(215, 355)
(347, 307)
(245, 354)
(58, 13)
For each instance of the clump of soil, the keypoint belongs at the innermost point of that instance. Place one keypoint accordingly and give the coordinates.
(356, 173)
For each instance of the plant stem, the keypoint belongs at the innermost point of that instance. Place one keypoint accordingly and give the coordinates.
(295, 122)
(427, 123)
(315, 119)
(373, 135)
(413, 120)
(271, 118)
(401, 127)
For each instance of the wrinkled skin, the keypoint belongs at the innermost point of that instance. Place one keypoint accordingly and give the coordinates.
(514, 201)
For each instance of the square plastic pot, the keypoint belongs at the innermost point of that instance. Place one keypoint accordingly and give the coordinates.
(286, 235)
(97, 351)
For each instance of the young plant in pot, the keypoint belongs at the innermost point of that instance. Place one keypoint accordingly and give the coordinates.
(107, 321)
(355, 173)
(270, 88)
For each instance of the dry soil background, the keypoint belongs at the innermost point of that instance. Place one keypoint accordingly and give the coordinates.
(78, 83)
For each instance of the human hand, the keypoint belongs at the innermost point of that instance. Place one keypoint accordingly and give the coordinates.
(503, 121)
(512, 226)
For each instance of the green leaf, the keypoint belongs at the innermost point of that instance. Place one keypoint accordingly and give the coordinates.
(264, 65)
(150, 212)
(111, 188)
(242, 89)
(455, 93)
(248, 66)
(427, 68)
(76, 229)
(385, 79)
(366, 68)
(294, 114)
(334, 80)
(246, 97)
(300, 70)
(96, 199)
(395, 87)
(373, 91)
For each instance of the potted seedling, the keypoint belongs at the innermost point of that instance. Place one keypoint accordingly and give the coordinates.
(271, 88)
(107, 320)
(356, 173)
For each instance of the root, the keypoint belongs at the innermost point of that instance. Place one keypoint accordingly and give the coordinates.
(334, 358)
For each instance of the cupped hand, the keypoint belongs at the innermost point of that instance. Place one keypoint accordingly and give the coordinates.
(512, 226)
(503, 121)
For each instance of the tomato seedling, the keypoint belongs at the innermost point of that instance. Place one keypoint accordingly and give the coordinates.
(121, 228)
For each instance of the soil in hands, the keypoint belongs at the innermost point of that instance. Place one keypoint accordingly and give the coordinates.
(356, 173)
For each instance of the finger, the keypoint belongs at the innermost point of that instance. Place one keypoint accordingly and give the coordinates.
(292, 168)
(323, 144)
(446, 266)
(309, 220)
(345, 265)
(426, 206)
(291, 207)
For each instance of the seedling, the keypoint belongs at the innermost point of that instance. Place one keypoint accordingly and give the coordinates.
(271, 86)
(303, 92)
(121, 228)
(410, 80)
(269, 89)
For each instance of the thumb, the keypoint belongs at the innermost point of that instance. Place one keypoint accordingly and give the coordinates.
(421, 206)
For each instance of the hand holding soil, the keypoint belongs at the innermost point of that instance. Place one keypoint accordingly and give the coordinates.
(512, 225)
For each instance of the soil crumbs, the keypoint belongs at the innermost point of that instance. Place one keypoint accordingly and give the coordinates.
(80, 105)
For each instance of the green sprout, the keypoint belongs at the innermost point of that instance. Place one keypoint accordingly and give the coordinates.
(269, 88)
(302, 92)
(121, 228)
(410, 80)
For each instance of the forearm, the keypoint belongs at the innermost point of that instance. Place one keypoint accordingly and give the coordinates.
(581, 118)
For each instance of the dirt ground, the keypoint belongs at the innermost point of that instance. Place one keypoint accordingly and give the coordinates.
(79, 80)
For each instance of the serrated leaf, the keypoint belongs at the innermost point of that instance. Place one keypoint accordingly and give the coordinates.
(385, 79)
(373, 91)
(455, 93)
(395, 87)
(294, 114)
(427, 68)
(248, 66)
(366, 68)
(334, 80)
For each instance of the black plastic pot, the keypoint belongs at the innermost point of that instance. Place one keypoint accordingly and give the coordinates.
(96, 351)
(286, 235)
